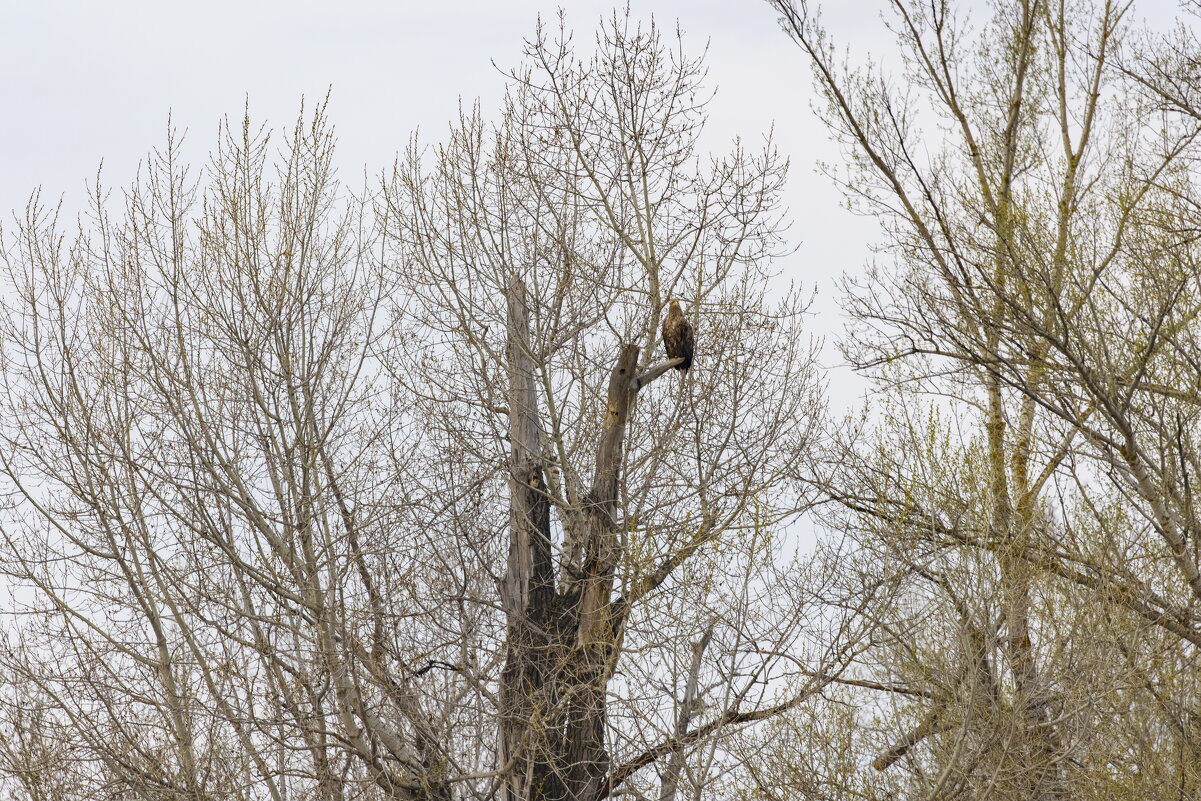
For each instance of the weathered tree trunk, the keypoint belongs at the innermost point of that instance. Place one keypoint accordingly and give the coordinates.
(528, 591)
(585, 757)
(561, 641)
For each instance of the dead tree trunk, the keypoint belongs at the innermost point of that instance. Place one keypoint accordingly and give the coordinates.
(528, 590)
(591, 644)
(562, 637)
(586, 760)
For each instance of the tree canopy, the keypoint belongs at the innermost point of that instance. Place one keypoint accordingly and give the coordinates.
(388, 491)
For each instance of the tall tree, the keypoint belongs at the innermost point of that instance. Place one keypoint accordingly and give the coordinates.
(389, 494)
(544, 251)
(1035, 200)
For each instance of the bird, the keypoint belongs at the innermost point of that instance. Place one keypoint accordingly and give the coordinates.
(678, 336)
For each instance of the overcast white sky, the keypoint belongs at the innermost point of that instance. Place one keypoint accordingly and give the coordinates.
(85, 80)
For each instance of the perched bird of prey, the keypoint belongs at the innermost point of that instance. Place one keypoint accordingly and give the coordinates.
(677, 336)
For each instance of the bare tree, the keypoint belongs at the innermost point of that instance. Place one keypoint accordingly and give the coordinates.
(387, 494)
(1036, 518)
(540, 255)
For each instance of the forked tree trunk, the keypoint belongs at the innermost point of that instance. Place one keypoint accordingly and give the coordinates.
(562, 636)
(585, 757)
(528, 590)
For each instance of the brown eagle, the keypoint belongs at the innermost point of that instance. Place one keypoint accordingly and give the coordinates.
(677, 336)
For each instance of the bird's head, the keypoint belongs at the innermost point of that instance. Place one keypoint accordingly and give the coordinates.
(675, 305)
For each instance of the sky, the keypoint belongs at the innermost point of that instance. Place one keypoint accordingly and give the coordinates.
(86, 81)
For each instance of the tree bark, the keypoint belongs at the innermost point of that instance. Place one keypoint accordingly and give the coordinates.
(585, 757)
(562, 641)
(528, 590)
